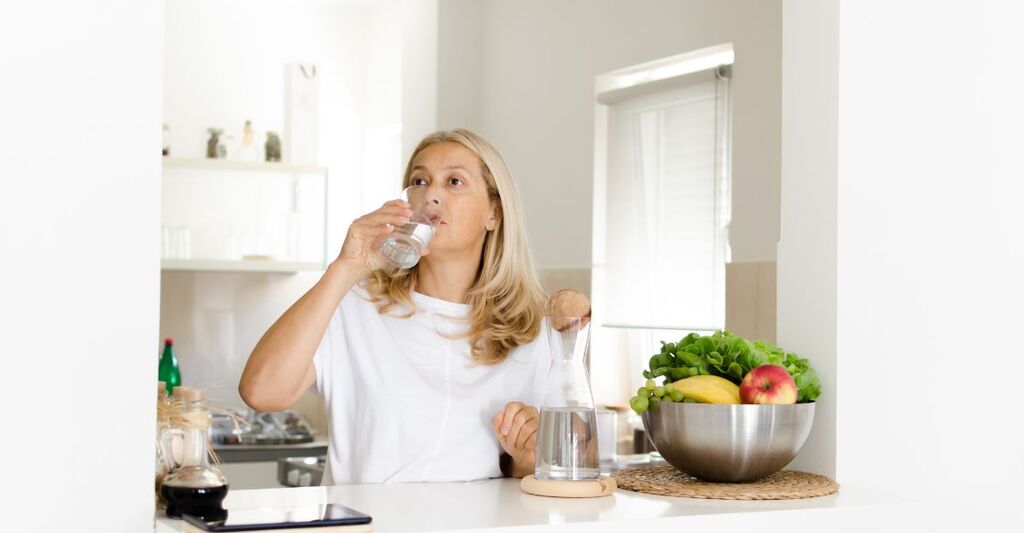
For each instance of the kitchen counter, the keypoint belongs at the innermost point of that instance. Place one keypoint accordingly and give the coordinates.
(499, 503)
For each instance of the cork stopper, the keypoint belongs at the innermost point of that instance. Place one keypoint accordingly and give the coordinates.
(565, 305)
(161, 387)
(190, 394)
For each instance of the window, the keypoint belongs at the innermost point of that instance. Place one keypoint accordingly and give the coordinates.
(662, 212)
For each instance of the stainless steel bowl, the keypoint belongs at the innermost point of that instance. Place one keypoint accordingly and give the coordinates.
(728, 443)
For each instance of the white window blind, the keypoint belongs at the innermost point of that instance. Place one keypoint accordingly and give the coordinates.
(667, 212)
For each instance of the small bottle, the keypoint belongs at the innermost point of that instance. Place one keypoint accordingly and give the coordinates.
(196, 487)
(169, 372)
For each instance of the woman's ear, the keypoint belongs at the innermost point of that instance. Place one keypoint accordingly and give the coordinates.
(492, 218)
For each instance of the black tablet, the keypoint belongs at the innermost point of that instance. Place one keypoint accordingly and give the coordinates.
(329, 514)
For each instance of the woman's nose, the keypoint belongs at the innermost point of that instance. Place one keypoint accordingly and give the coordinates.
(434, 194)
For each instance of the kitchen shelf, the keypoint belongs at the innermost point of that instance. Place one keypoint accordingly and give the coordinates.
(244, 166)
(217, 211)
(215, 265)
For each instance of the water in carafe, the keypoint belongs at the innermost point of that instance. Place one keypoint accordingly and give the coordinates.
(571, 452)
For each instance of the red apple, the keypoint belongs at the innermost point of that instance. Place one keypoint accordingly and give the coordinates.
(768, 384)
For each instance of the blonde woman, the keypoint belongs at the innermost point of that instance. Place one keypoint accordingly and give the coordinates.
(432, 373)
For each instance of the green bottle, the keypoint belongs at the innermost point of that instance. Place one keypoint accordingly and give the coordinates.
(169, 372)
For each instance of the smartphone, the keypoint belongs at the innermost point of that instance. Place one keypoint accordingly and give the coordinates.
(329, 514)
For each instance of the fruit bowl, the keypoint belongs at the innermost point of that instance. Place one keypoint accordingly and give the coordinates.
(728, 442)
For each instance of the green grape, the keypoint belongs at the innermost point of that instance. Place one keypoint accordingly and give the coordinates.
(655, 403)
(651, 384)
(676, 395)
(639, 404)
(642, 391)
(689, 400)
(669, 387)
(659, 391)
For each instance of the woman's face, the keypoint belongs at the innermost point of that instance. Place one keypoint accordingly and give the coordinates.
(452, 174)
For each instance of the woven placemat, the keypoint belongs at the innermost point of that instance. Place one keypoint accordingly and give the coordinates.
(667, 481)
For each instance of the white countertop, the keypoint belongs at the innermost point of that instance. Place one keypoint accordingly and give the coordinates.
(499, 503)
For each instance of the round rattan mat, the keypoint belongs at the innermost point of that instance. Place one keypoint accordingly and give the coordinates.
(667, 481)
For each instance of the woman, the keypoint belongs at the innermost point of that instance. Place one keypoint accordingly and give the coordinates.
(431, 373)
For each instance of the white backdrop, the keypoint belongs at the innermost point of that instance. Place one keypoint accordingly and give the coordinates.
(80, 248)
(900, 251)
(929, 253)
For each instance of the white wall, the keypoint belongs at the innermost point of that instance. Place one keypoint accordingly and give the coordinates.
(460, 56)
(537, 100)
(806, 286)
(917, 147)
(419, 71)
(929, 256)
(79, 234)
(382, 112)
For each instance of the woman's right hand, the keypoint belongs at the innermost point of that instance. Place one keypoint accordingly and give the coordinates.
(360, 248)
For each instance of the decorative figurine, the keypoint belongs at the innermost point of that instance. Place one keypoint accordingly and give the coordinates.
(247, 149)
(248, 137)
(213, 143)
(273, 146)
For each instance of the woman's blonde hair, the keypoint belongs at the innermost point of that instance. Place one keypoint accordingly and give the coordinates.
(506, 300)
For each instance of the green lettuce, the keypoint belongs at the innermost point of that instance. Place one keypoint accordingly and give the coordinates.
(729, 356)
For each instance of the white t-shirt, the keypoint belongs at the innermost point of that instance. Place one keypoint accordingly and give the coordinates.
(404, 401)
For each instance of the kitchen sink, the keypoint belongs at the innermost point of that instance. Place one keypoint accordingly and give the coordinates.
(301, 471)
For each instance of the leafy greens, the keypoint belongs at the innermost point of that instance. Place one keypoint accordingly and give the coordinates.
(729, 356)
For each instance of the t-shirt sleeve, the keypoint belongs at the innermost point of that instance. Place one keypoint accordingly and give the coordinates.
(330, 350)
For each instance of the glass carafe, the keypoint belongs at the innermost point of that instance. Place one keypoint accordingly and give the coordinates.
(193, 486)
(567, 440)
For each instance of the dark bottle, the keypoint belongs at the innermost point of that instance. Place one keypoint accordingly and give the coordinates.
(195, 486)
(169, 372)
(201, 502)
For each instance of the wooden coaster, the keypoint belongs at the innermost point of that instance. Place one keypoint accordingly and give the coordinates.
(667, 481)
(602, 486)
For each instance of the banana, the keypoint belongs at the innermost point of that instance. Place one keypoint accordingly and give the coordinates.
(709, 389)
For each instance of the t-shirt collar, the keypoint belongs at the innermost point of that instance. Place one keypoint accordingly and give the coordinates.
(429, 303)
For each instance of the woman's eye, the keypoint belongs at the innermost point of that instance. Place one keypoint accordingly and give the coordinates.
(419, 181)
(455, 181)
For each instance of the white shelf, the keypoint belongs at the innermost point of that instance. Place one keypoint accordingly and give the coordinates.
(242, 166)
(226, 265)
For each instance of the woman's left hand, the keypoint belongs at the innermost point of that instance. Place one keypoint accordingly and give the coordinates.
(516, 428)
